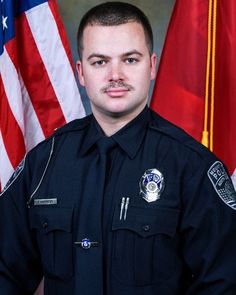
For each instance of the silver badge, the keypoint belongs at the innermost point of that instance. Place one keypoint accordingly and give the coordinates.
(222, 184)
(151, 185)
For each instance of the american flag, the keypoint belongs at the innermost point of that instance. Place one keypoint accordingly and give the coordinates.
(38, 90)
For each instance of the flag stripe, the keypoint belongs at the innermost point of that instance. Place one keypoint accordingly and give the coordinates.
(5, 164)
(37, 82)
(15, 87)
(11, 132)
(12, 91)
(61, 31)
(33, 131)
(66, 93)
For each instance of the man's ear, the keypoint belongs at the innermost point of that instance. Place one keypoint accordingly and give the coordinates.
(79, 69)
(153, 65)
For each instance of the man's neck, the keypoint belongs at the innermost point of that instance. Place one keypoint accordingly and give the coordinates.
(112, 124)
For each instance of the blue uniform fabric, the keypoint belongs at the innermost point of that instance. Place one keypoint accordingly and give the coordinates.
(183, 243)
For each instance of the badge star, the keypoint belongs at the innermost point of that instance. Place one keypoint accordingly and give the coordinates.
(4, 22)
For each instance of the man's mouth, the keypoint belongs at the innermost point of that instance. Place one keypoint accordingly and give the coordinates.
(117, 89)
(116, 92)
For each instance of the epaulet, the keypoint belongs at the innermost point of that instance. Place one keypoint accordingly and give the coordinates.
(75, 125)
(172, 131)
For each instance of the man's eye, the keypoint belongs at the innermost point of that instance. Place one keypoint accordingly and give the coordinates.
(99, 63)
(131, 60)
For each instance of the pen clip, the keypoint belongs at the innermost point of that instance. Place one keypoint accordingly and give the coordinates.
(124, 208)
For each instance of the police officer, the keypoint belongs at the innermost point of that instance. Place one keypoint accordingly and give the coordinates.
(120, 202)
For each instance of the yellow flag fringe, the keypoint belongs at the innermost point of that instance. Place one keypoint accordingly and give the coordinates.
(210, 76)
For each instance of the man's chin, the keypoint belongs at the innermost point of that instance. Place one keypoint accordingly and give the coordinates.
(116, 113)
(122, 113)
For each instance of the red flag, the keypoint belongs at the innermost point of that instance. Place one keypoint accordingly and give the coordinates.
(180, 88)
(225, 84)
(38, 91)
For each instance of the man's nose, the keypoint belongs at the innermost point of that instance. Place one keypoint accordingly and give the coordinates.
(116, 72)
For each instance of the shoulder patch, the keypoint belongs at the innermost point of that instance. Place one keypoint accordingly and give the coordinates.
(14, 176)
(222, 184)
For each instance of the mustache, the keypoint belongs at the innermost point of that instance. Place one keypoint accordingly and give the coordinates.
(117, 84)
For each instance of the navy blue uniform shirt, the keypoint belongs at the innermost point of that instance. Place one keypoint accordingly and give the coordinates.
(168, 215)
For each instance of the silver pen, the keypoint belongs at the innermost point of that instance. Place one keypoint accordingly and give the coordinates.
(126, 208)
(122, 207)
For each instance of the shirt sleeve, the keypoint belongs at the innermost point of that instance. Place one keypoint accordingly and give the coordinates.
(20, 267)
(208, 228)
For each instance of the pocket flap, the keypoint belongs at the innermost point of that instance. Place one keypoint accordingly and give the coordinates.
(51, 219)
(147, 222)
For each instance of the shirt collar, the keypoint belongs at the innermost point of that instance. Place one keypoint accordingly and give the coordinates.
(131, 135)
(92, 135)
(129, 138)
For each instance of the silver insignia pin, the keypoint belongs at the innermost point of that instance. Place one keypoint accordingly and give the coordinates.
(151, 185)
(86, 244)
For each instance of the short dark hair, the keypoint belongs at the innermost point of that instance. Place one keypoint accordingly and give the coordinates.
(113, 14)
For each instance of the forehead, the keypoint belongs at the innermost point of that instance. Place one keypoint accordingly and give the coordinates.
(129, 36)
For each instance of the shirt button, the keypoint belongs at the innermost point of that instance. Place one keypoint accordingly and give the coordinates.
(45, 225)
(146, 227)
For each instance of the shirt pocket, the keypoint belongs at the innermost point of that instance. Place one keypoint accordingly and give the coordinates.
(53, 228)
(144, 244)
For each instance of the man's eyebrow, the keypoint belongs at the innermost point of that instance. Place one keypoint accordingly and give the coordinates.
(132, 52)
(97, 55)
(102, 56)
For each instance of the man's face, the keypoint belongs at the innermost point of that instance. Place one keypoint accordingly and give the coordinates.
(116, 69)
